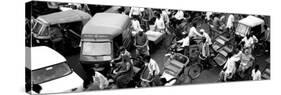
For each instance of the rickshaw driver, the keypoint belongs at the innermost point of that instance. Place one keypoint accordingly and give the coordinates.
(124, 73)
(152, 66)
(185, 44)
(57, 38)
(246, 59)
(193, 31)
(141, 42)
(249, 40)
(123, 52)
(230, 66)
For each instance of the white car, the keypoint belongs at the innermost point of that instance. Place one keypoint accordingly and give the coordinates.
(50, 70)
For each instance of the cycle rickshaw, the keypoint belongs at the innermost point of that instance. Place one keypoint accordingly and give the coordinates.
(173, 69)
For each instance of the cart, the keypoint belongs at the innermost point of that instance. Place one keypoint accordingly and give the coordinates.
(174, 67)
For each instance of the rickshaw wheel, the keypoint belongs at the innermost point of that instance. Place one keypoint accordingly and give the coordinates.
(194, 71)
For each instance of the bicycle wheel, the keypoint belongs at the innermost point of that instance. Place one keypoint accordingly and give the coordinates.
(194, 71)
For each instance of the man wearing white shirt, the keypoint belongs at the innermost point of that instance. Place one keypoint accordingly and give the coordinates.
(229, 23)
(206, 35)
(159, 24)
(249, 40)
(184, 41)
(208, 14)
(99, 81)
(165, 16)
(152, 66)
(256, 73)
(193, 31)
(185, 44)
(136, 26)
(135, 11)
(178, 17)
(230, 66)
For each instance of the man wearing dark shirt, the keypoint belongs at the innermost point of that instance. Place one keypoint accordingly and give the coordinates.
(141, 42)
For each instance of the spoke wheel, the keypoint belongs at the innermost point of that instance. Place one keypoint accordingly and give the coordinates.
(194, 71)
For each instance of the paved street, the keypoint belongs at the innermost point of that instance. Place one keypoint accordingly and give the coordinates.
(207, 76)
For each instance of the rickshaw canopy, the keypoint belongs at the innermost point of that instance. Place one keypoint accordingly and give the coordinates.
(65, 17)
(109, 24)
(251, 21)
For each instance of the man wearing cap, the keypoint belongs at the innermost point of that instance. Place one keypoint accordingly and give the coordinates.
(205, 47)
(206, 35)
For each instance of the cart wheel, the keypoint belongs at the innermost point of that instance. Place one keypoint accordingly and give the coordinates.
(194, 71)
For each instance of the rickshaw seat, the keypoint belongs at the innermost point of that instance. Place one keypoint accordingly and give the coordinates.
(220, 59)
(176, 63)
(222, 39)
(223, 52)
(219, 42)
(169, 72)
(194, 51)
(227, 49)
(216, 46)
(172, 68)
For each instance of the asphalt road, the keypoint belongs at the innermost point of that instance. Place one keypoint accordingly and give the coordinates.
(157, 53)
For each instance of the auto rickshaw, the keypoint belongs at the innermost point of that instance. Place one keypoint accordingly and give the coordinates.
(67, 23)
(248, 25)
(101, 38)
(174, 67)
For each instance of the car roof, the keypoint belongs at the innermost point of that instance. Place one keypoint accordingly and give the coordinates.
(251, 21)
(42, 56)
(107, 24)
(65, 17)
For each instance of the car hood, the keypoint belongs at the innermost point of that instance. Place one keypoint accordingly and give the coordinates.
(63, 84)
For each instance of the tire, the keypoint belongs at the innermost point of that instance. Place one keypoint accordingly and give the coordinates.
(194, 71)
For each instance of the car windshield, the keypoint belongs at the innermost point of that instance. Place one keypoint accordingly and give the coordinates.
(45, 32)
(49, 73)
(37, 28)
(96, 49)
